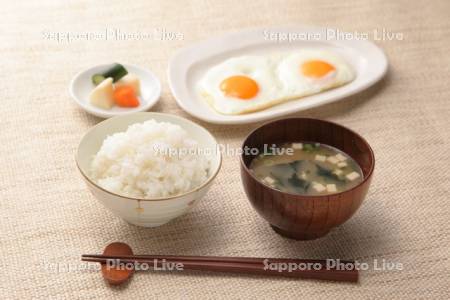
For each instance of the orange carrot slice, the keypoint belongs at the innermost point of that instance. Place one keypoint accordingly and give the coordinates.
(125, 96)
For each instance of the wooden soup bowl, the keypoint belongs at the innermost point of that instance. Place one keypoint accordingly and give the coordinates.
(306, 217)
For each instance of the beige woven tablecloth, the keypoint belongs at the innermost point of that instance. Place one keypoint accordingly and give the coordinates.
(48, 218)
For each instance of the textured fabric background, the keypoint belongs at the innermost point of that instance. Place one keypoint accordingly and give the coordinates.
(48, 218)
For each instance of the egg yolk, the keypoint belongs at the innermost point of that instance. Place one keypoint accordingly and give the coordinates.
(239, 86)
(316, 68)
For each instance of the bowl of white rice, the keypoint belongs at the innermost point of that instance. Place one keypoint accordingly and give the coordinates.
(148, 168)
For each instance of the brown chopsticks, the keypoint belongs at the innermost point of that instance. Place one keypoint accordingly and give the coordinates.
(296, 268)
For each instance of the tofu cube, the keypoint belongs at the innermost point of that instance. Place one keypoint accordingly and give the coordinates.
(341, 157)
(338, 172)
(352, 176)
(303, 175)
(269, 180)
(298, 146)
(331, 188)
(319, 187)
(332, 159)
(342, 164)
(320, 157)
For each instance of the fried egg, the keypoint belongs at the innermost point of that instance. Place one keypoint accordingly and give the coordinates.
(310, 72)
(251, 83)
(238, 84)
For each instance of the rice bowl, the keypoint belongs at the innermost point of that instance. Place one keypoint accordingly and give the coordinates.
(154, 211)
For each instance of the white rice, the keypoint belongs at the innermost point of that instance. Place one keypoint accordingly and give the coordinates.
(137, 163)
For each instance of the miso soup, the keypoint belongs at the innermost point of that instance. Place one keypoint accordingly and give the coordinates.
(307, 169)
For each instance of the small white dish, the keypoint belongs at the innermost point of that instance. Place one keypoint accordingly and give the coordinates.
(81, 85)
(146, 212)
(189, 64)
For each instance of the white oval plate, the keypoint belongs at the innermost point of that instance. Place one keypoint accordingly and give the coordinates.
(189, 64)
(81, 85)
